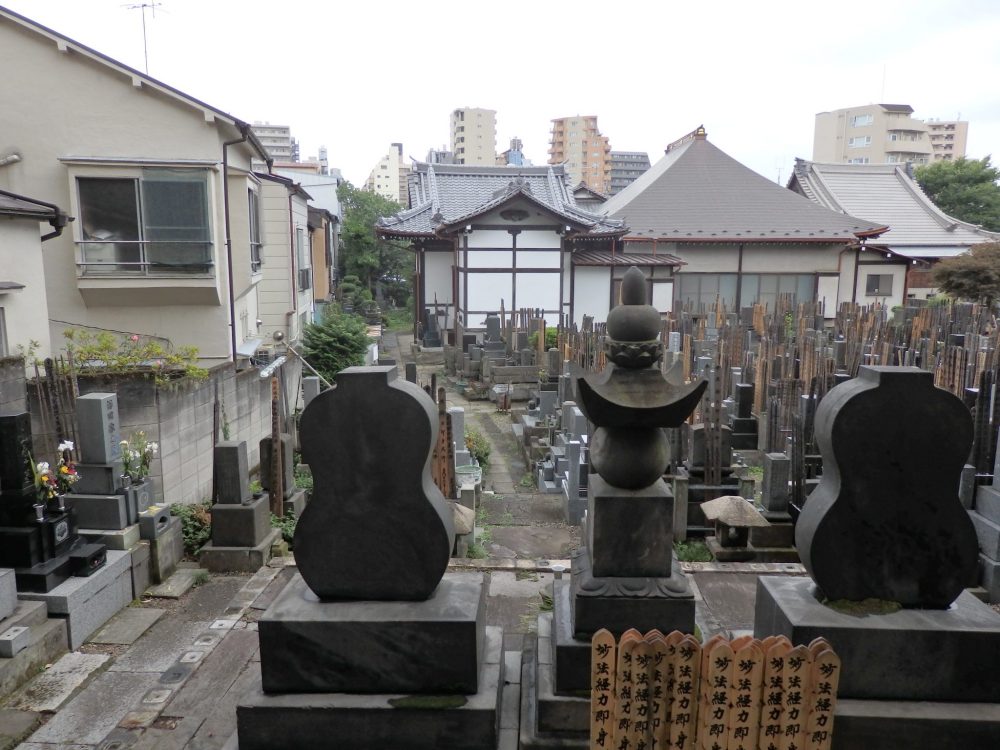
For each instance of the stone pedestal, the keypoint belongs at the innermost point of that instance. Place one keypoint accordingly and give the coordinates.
(218, 559)
(102, 511)
(375, 668)
(241, 525)
(630, 532)
(87, 603)
(8, 593)
(295, 502)
(929, 673)
(165, 551)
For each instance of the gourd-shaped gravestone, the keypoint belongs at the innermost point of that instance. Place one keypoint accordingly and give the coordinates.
(885, 521)
(377, 527)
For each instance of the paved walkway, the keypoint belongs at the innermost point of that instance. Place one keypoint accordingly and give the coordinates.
(171, 678)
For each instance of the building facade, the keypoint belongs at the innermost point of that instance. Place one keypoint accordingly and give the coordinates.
(885, 134)
(577, 142)
(626, 168)
(388, 177)
(278, 141)
(474, 136)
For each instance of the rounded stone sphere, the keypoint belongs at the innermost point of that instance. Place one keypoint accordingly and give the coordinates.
(634, 319)
(630, 458)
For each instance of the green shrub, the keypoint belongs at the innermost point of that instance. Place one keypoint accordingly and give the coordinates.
(692, 550)
(335, 342)
(477, 444)
(196, 524)
(286, 525)
(551, 339)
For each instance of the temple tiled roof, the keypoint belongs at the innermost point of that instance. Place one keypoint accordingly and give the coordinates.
(445, 196)
(697, 193)
(887, 194)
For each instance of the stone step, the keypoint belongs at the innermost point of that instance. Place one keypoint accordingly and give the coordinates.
(988, 503)
(989, 577)
(49, 690)
(988, 534)
(15, 726)
(49, 639)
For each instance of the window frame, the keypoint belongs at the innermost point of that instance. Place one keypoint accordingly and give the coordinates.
(878, 286)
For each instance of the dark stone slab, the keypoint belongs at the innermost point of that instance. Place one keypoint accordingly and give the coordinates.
(102, 511)
(376, 527)
(287, 464)
(885, 521)
(44, 576)
(912, 654)
(15, 452)
(901, 725)
(232, 472)
(622, 603)
(774, 486)
(376, 722)
(241, 525)
(432, 646)
(744, 400)
(630, 532)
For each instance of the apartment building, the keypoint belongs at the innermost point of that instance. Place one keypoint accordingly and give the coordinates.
(885, 134)
(948, 138)
(577, 143)
(278, 141)
(474, 136)
(388, 177)
(626, 168)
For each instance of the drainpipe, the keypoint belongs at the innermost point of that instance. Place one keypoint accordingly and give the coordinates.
(245, 132)
(58, 222)
(739, 279)
(857, 257)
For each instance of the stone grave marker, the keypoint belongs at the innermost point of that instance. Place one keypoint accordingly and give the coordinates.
(99, 428)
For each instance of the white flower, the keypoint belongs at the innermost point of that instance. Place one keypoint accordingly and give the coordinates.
(43, 467)
(153, 448)
(65, 445)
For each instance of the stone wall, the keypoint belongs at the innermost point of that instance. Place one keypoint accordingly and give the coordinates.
(180, 417)
(13, 394)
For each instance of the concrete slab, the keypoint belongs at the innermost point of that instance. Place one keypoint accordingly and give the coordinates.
(178, 584)
(48, 641)
(160, 647)
(519, 584)
(536, 542)
(730, 597)
(95, 712)
(221, 722)
(216, 675)
(15, 726)
(127, 626)
(53, 687)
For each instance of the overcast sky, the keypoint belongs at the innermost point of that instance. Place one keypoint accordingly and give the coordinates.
(357, 76)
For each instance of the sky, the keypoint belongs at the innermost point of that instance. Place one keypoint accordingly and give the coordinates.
(358, 76)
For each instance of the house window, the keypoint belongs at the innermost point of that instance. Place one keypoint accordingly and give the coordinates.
(878, 284)
(860, 141)
(859, 121)
(701, 291)
(859, 160)
(256, 260)
(154, 224)
(769, 288)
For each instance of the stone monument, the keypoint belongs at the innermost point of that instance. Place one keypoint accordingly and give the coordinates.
(626, 575)
(885, 525)
(372, 632)
(241, 524)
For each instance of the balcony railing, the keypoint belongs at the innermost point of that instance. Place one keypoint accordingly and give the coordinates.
(145, 258)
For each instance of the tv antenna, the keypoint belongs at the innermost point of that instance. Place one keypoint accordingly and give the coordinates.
(142, 6)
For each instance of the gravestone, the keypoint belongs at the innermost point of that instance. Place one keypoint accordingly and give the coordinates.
(287, 465)
(626, 575)
(372, 615)
(310, 388)
(241, 524)
(493, 332)
(885, 523)
(99, 428)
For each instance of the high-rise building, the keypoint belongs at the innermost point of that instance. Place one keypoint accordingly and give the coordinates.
(389, 176)
(577, 143)
(278, 141)
(474, 136)
(514, 156)
(884, 134)
(626, 166)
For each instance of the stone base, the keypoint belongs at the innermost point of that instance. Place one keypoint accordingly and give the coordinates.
(434, 646)
(900, 725)
(371, 722)
(87, 603)
(165, 551)
(775, 554)
(241, 525)
(629, 531)
(102, 511)
(294, 503)
(46, 643)
(8, 593)
(542, 709)
(910, 655)
(622, 603)
(781, 532)
(45, 576)
(989, 577)
(238, 559)
(728, 554)
(140, 568)
(119, 539)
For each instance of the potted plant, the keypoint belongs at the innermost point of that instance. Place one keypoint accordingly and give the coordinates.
(137, 455)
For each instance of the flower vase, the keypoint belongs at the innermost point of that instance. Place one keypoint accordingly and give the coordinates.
(56, 504)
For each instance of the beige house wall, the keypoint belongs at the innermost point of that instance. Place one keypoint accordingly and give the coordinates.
(23, 311)
(87, 117)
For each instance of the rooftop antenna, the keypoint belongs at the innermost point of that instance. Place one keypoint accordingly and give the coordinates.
(142, 6)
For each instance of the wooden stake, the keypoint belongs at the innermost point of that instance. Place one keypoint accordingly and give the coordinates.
(603, 673)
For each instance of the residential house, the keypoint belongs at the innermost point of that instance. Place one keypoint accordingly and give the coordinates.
(492, 237)
(739, 238)
(285, 290)
(167, 239)
(22, 278)
(887, 194)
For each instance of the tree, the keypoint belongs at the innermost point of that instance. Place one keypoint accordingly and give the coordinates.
(964, 188)
(974, 276)
(335, 342)
(380, 265)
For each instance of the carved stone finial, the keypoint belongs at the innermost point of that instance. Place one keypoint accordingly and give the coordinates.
(634, 325)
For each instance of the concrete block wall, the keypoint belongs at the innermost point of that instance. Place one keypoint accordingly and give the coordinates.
(180, 418)
(13, 393)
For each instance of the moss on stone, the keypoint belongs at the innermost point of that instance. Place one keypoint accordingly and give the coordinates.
(429, 702)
